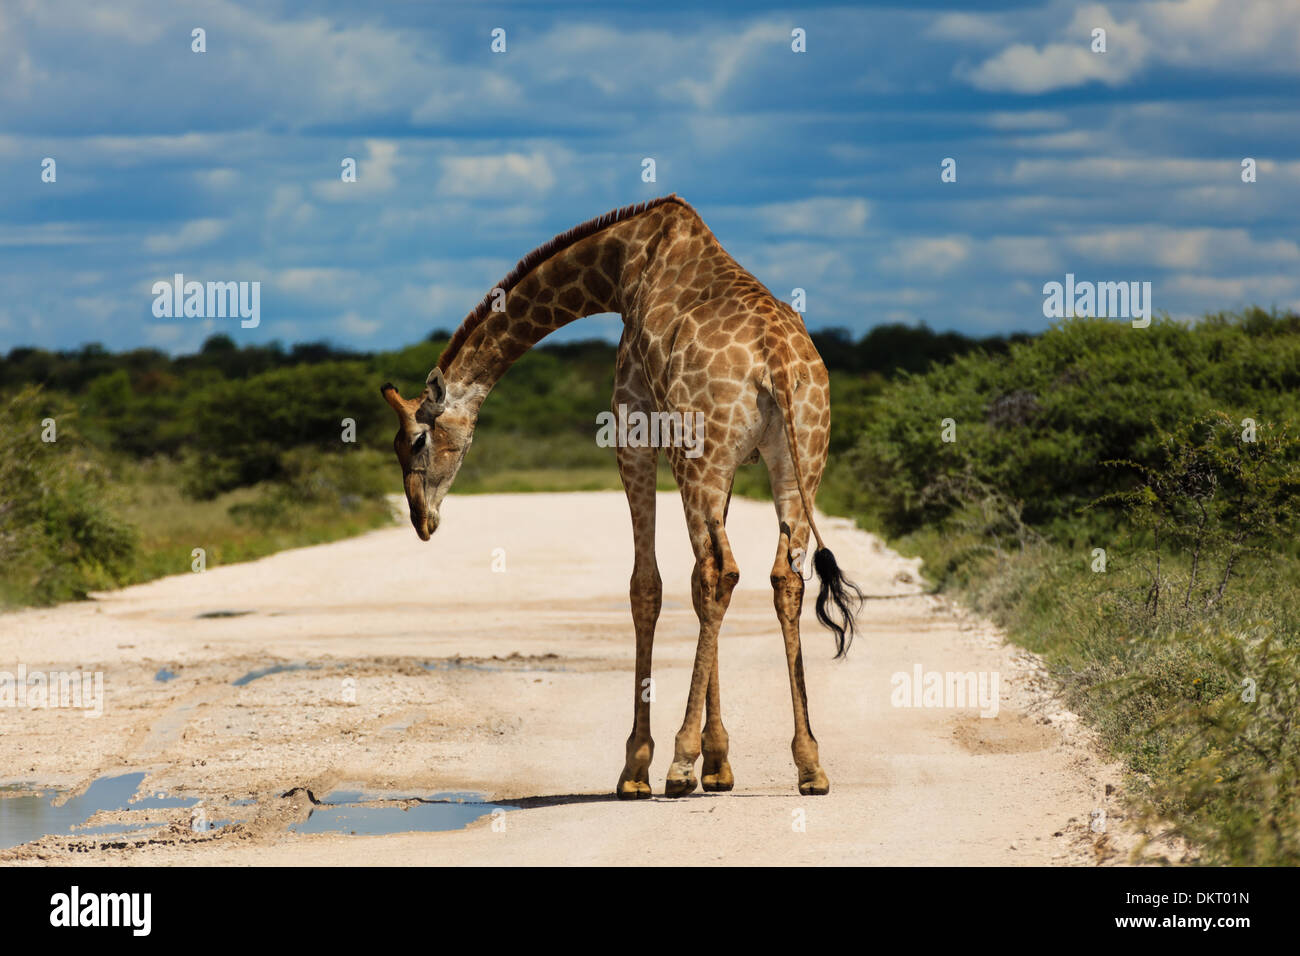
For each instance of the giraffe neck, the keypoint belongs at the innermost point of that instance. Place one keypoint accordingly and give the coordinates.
(596, 274)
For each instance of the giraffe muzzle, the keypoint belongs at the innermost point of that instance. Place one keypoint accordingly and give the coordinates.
(425, 523)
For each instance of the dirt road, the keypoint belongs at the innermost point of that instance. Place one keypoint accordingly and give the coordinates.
(429, 671)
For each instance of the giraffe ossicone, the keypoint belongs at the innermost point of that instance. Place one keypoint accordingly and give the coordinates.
(703, 338)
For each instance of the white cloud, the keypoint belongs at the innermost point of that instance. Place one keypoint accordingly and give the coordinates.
(121, 25)
(841, 217)
(784, 265)
(934, 255)
(221, 177)
(900, 295)
(727, 55)
(1250, 35)
(1074, 141)
(1156, 170)
(1025, 68)
(350, 323)
(1171, 248)
(288, 207)
(95, 307)
(47, 234)
(1255, 35)
(1260, 290)
(196, 232)
(316, 283)
(506, 174)
(374, 174)
(468, 90)
(1027, 119)
(968, 28)
(1021, 254)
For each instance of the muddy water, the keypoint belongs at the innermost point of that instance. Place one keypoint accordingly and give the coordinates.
(358, 813)
(30, 817)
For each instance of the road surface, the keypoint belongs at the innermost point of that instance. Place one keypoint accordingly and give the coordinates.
(497, 660)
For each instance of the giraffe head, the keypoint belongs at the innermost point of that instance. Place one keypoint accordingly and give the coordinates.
(431, 441)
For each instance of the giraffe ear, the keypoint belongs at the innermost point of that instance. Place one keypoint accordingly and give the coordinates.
(434, 399)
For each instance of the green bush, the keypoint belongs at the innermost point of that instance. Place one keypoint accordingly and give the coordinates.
(1183, 648)
(340, 481)
(1219, 494)
(1040, 423)
(241, 430)
(59, 536)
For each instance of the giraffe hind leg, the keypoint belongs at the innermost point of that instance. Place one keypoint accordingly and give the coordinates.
(792, 558)
(712, 581)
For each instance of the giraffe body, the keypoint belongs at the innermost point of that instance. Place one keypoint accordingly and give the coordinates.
(700, 335)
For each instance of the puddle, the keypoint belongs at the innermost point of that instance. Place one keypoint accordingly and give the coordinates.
(343, 812)
(270, 669)
(28, 818)
(164, 675)
(257, 672)
(33, 816)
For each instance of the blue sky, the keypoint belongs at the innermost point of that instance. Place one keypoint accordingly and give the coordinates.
(819, 170)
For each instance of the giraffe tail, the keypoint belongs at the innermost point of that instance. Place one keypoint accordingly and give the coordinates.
(836, 592)
(839, 592)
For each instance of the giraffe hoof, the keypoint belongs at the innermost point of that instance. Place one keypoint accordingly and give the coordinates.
(679, 786)
(719, 779)
(814, 784)
(633, 790)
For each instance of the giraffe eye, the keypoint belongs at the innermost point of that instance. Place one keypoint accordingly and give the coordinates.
(417, 446)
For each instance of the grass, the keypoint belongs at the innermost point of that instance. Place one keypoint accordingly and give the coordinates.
(170, 525)
(157, 525)
(501, 461)
(1198, 702)
(1172, 452)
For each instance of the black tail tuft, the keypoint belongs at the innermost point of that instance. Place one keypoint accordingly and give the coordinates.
(841, 592)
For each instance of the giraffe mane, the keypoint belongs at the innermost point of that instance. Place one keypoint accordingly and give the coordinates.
(535, 258)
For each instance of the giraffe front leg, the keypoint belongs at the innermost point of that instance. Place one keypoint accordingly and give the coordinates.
(646, 593)
(638, 467)
(634, 781)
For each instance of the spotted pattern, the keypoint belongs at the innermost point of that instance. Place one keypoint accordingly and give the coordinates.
(700, 334)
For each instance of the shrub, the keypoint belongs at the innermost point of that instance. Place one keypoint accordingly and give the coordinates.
(59, 536)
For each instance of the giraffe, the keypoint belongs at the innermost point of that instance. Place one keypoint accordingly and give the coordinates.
(700, 334)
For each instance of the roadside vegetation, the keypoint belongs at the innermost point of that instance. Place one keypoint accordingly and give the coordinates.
(246, 451)
(1127, 503)
(1124, 501)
